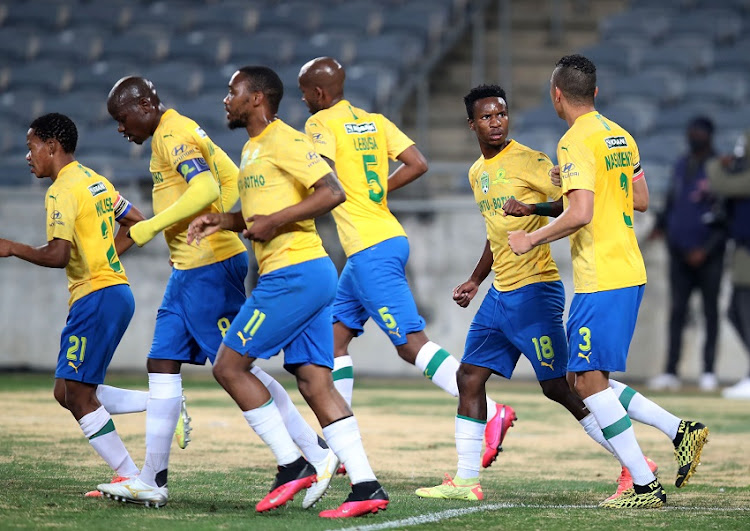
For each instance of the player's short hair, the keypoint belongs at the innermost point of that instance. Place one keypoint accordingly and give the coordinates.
(265, 80)
(481, 92)
(57, 126)
(575, 76)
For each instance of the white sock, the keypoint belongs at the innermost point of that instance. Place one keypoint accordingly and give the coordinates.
(162, 414)
(300, 431)
(267, 423)
(343, 377)
(643, 410)
(346, 442)
(99, 429)
(491, 408)
(618, 431)
(592, 429)
(439, 366)
(118, 401)
(469, 435)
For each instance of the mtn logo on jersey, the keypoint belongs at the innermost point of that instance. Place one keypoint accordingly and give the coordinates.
(97, 188)
(360, 129)
(615, 142)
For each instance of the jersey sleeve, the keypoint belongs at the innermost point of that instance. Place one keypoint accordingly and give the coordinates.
(300, 160)
(321, 137)
(62, 210)
(538, 175)
(183, 154)
(397, 140)
(577, 171)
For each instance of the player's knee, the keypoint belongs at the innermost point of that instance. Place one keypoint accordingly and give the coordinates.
(407, 353)
(59, 393)
(556, 390)
(221, 373)
(468, 379)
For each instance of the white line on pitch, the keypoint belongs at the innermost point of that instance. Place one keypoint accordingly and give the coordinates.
(453, 513)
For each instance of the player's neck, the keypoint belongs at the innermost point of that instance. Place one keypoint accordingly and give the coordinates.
(257, 124)
(573, 113)
(489, 151)
(59, 163)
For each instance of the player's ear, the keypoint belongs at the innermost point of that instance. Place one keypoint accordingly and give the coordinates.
(596, 91)
(470, 121)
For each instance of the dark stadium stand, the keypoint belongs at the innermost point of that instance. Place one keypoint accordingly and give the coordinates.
(64, 56)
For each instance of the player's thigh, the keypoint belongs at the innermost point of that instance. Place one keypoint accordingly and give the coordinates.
(380, 277)
(347, 307)
(313, 345)
(535, 324)
(601, 327)
(215, 296)
(95, 326)
(487, 344)
(281, 306)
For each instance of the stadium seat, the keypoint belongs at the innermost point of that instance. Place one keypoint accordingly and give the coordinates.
(230, 18)
(636, 116)
(721, 87)
(207, 110)
(373, 83)
(340, 46)
(30, 15)
(16, 172)
(615, 57)
(383, 49)
(422, 19)
(263, 47)
(733, 118)
(102, 75)
(662, 148)
(80, 45)
(18, 45)
(359, 17)
(299, 17)
(652, 85)
(109, 17)
(206, 47)
(735, 57)
(539, 138)
(674, 119)
(543, 117)
(294, 112)
(46, 74)
(231, 142)
(136, 47)
(87, 108)
(101, 141)
(678, 57)
(175, 79)
(631, 24)
(20, 107)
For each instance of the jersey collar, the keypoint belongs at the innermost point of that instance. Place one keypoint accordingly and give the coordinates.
(511, 142)
(265, 131)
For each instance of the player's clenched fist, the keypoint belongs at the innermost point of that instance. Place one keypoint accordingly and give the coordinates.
(519, 242)
(464, 293)
(554, 175)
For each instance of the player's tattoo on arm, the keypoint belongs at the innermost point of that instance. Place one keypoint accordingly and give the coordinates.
(331, 182)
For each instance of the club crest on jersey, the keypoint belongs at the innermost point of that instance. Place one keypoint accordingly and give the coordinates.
(360, 129)
(97, 188)
(484, 181)
(615, 142)
(500, 177)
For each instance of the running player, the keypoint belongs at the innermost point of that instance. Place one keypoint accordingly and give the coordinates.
(82, 207)
(598, 163)
(283, 186)
(522, 312)
(192, 176)
(358, 144)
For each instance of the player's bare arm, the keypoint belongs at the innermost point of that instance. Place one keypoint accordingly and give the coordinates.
(327, 195)
(55, 254)
(464, 293)
(123, 241)
(640, 195)
(413, 166)
(578, 214)
(513, 207)
(208, 224)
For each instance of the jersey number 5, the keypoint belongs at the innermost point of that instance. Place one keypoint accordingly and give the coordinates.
(373, 180)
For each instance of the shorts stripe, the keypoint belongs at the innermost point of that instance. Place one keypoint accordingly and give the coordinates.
(613, 430)
(107, 428)
(626, 396)
(437, 359)
(478, 421)
(343, 372)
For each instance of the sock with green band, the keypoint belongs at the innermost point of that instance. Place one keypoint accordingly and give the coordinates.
(618, 431)
(343, 377)
(643, 410)
(267, 423)
(439, 366)
(469, 435)
(99, 429)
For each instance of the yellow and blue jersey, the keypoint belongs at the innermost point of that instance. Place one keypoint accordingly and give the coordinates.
(81, 206)
(598, 155)
(277, 169)
(360, 144)
(524, 174)
(180, 150)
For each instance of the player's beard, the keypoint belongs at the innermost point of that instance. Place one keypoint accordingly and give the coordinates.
(240, 122)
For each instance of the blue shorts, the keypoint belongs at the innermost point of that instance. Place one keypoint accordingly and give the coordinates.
(289, 309)
(92, 332)
(198, 307)
(526, 320)
(373, 284)
(600, 328)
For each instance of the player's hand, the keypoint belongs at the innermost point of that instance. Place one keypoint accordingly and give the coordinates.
(514, 207)
(554, 176)
(5, 248)
(519, 242)
(263, 228)
(203, 226)
(142, 233)
(464, 293)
